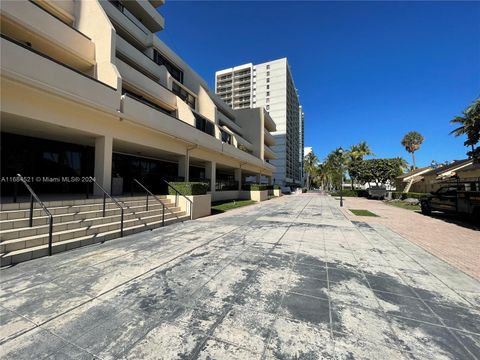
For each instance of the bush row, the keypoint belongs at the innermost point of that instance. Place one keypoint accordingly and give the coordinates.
(259, 187)
(351, 193)
(189, 188)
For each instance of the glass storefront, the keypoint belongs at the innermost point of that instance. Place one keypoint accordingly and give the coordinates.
(46, 163)
(150, 172)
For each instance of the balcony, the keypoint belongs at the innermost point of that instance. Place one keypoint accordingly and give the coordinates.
(28, 23)
(146, 86)
(62, 9)
(145, 11)
(148, 116)
(157, 3)
(137, 57)
(268, 122)
(128, 27)
(23, 64)
(268, 153)
(268, 139)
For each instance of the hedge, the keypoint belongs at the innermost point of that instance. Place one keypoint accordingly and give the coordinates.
(304, 190)
(351, 193)
(188, 188)
(403, 196)
(255, 187)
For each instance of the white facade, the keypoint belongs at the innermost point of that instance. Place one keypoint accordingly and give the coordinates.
(270, 85)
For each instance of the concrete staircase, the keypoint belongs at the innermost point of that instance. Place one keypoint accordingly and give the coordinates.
(77, 223)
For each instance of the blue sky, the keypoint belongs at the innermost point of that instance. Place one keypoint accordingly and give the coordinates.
(364, 70)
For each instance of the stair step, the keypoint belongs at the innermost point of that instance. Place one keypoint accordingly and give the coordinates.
(39, 239)
(20, 255)
(76, 221)
(57, 203)
(24, 215)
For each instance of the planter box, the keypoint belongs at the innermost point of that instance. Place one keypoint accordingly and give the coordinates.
(258, 196)
(277, 192)
(202, 204)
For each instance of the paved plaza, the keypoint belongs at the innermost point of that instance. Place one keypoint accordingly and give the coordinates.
(290, 278)
(447, 236)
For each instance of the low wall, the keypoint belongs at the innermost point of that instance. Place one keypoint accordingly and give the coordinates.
(202, 204)
(277, 192)
(259, 195)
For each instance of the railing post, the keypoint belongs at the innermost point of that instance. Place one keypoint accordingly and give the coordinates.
(30, 223)
(104, 200)
(121, 224)
(50, 233)
(163, 214)
(15, 191)
(146, 206)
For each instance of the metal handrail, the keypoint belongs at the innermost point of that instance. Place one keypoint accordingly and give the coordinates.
(105, 194)
(44, 208)
(176, 198)
(156, 198)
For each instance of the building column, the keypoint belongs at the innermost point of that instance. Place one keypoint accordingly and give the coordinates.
(211, 173)
(184, 167)
(103, 164)
(238, 177)
(270, 182)
(258, 178)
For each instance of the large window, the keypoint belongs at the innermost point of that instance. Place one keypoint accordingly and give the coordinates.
(184, 95)
(204, 125)
(172, 69)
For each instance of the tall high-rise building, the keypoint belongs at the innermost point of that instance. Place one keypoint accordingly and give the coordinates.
(270, 85)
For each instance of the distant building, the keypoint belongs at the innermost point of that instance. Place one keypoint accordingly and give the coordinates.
(270, 85)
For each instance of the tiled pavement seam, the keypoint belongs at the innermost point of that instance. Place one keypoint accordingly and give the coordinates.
(103, 294)
(131, 279)
(418, 298)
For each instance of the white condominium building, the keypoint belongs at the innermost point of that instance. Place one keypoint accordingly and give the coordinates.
(88, 89)
(270, 85)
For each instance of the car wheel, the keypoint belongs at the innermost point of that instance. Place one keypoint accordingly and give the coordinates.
(425, 208)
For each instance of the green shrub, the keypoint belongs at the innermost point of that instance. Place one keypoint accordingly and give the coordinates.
(362, 193)
(277, 187)
(304, 190)
(188, 188)
(346, 193)
(255, 187)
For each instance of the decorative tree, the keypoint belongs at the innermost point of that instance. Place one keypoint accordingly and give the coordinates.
(469, 126)
(412, 141)
(356, 153)
(310, 164)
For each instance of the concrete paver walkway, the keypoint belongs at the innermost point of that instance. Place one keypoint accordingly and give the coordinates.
(290, 278)
(455, 242)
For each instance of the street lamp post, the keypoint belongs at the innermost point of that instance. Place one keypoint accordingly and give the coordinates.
(341, 177)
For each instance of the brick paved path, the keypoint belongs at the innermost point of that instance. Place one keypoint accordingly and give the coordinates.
(451, 241)
(290, 278)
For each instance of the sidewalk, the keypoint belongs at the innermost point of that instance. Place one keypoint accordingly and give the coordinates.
(290, 278)
(456, 244)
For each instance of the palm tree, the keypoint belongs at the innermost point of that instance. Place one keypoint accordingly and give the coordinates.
(469, 125)
(310, 165)
(357, 152)
(412, 141)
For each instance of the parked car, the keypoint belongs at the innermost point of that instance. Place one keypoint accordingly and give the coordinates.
(377, 192)
(454, 198)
